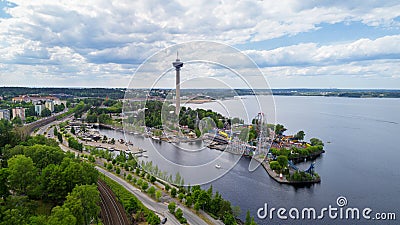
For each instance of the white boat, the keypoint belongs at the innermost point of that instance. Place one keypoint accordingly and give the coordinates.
(218, 166)
(155, 138)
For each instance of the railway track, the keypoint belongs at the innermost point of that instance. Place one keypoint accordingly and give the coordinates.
(112, 212)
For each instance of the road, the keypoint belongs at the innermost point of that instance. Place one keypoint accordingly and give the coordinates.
(44, 128)
(161, 208)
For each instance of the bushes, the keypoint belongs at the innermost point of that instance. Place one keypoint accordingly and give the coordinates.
(178, 213)
(172, 207)
(274, 165)
(173, 192)
(73, 143)
(301, 176)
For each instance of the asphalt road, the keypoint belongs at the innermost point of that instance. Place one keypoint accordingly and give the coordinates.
(160, 208)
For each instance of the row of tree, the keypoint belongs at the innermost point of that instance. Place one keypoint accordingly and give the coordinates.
(37, 172)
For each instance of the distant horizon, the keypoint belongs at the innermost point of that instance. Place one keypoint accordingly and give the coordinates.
(278, 88)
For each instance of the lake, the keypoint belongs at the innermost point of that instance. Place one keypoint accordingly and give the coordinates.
(360, 163)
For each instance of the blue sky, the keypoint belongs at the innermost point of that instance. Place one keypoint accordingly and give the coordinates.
(305, 44)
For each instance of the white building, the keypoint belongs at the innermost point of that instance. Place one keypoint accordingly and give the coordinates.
(18, 112)
(49, 104)
(5, 114)
(39, 108)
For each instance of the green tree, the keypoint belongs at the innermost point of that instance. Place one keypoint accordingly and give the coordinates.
(83, 202)
(60, 137)
(133, 205)
(274, 165)
(300, 135)
(91, 118)
(7, 136)
(12, 217)
(73, 130)
(129, 177)
(229, 219)
(248, 218)
(282, 160)
(152, 191)
(109, 167)
(17, 121)
(61, 216)
(53, 185)
(73, 143)
(158, 195)
(173, 192)
(181, 196)
(316, 142)
(45, 112)
(38, 220)
(118, 170)
(236, 211)
(4, 191)
(145, 185)
(197, 206)
(179, 213)
(172, 207)
(279, 129)
(21, 174)
(204, 199)
(189, 201)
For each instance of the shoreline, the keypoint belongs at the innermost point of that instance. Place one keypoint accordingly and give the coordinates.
(283, 180)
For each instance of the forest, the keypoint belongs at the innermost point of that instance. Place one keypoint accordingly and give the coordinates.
(40, 184)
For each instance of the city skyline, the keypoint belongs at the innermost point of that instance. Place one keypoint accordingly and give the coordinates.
(296, 44)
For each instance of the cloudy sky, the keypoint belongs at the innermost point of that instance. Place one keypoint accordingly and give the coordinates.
(324, 43)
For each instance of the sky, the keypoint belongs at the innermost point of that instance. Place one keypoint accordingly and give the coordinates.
(295, 44)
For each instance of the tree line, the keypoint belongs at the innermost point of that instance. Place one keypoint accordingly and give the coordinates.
(40, 184)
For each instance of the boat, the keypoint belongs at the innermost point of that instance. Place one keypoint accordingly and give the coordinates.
(155, 138)
(218, 166)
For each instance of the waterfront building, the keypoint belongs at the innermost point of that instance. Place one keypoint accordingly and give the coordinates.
(5, 114)
(18, 112)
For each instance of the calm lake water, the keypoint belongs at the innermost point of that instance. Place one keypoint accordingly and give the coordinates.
(361, 161)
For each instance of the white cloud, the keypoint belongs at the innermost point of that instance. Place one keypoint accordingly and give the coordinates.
(307, 54)
(104, 38)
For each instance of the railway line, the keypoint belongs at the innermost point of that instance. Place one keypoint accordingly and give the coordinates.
(112, 212)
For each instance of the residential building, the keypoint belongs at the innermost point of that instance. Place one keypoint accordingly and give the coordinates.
(49, 104)
(5, 114)
(36, 98)
(39, 108)
(18, 112)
